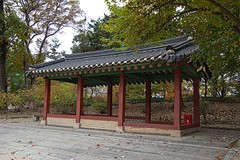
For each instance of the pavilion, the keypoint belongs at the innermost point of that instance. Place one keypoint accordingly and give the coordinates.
(166, 62)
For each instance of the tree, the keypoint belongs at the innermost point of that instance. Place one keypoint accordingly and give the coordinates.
(93, 38)
(215, 25)
(45, 18)
(12, 38)
(54, 54)
(3, 52)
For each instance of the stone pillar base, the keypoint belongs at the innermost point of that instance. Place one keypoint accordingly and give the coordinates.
(180, 133)
(43, 122)
(191, 130)
(120, 129)
(77, 125)
(175, 133)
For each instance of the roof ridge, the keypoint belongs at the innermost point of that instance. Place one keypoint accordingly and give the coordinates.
(47, 63)
(100, 54)
(89, 52)
(185, 43)
(107, 52)
(175, 40)
(152, 53)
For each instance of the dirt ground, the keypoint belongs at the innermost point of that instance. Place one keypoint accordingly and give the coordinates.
(18, 116)
(220, 115)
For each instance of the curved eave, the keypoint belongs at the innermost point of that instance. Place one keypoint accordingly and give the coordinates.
(162, 57)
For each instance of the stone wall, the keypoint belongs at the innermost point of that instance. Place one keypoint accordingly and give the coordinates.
(98, 124)
(66, 122)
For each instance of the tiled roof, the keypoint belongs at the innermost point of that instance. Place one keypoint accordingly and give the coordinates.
(171, 50)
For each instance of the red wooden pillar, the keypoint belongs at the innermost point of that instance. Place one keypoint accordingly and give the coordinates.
(79, 108)
(109, 100)
(177, 97)
(46, 98)
(122, 100)
(148, 102)
(196, 111)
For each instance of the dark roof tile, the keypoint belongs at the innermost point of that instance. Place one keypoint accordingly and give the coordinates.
(174, 49)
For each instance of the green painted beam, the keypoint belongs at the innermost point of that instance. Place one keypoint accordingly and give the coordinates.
(74, 81)
(136, 76)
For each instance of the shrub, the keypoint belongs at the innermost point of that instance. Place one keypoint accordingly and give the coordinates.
(36, 94)
(135, 91)
(15, 99)
(64, 109)
(99, 104)
(136, 100)
(115, 95)
(204, 107)
(232, 99)
(87, 101)
(3, 104)
(100, 107)
(63, 97)
(11, 98)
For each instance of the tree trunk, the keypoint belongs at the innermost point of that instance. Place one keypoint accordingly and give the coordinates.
(214, 87)
(3, 51)
(3, 76)
(205, 88)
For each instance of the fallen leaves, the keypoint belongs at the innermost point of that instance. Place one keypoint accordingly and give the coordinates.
(98, 145)
(166, 142)
(218, 157)
(13, 152)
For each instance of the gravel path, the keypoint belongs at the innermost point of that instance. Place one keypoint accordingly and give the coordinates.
(32, 141)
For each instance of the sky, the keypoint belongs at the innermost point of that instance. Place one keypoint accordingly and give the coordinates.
(93, 9)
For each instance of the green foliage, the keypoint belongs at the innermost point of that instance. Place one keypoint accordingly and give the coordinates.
(54, 54)
(87, 101)
(204, 107)
(99, 103)
(3, 104)
(12, 37)
(93, 38)
(15, 79)
(215, 25)
(224, 86)
(16, 99)
(63, 97)
(115, 95)
(38, 93)
(135, 100)
(228, 99)
(136, 22)
(232, 99)
(136, 91)
(100, 107)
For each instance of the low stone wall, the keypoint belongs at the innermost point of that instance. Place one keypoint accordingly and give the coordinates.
(84, 123)
(147, 130)
(66, 122)
(170, 132)
(98, 124)
(113, 125)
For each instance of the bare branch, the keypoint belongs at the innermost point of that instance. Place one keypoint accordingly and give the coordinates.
(226, 12)
(236, 29)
